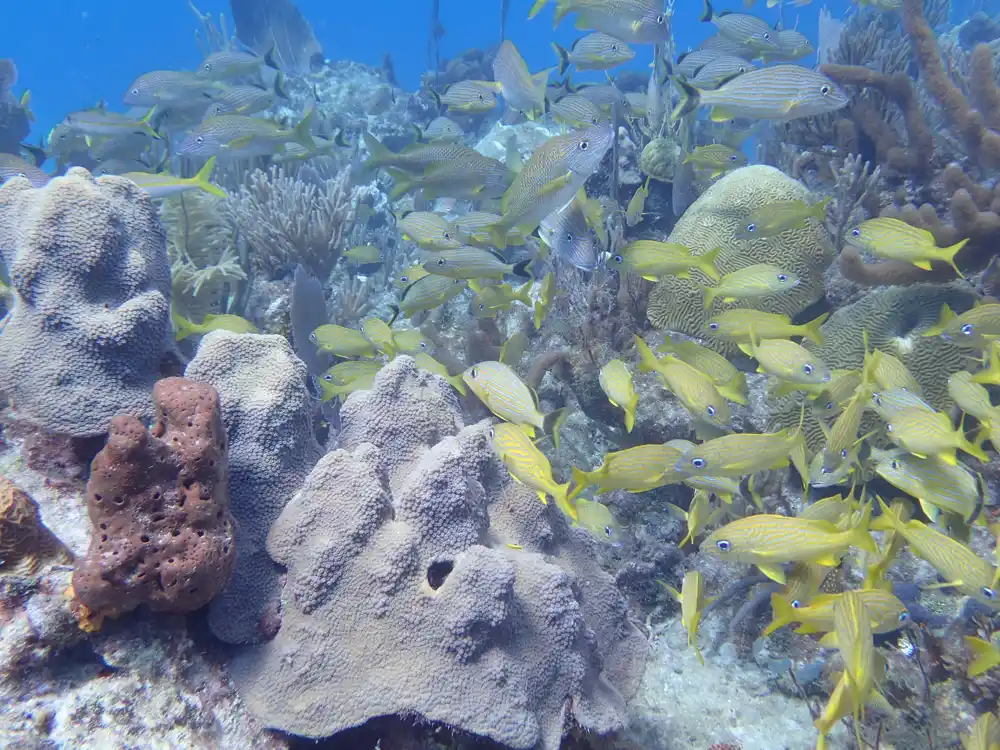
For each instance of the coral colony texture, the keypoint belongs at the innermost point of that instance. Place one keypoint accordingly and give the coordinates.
(608, 394)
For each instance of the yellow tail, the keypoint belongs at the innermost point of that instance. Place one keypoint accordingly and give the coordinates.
(581, 480)
(984, 656)
(648, 361)
(947, 254)
(783, 613)
(811, 330)
(204, 179)
(706, 263)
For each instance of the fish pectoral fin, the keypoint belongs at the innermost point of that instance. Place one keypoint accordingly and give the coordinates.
(942, 585)
(924, 264)
(651, 278)
(542, 496)
(720, 115)
(555, 185)
(829, 640)
(828, 561)
(773, 571)
(241, 142)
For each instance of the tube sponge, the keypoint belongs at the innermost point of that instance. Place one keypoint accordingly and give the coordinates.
(90, 320)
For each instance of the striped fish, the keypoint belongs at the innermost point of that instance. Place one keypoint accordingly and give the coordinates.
(957, 564)
(616, 382)
(974, 328)
(604, 96)
(693, 602)
(689, 63)
(429, 292)
(467, 262)
(936, 485)
(721, 69)
(429, 230)
(792, 45)
(638, 469)
(930, 433)
(729, 381)
(695, 390)
(470, 97)
(440, 129)
(829, 401)
(741, 28)
(577, 111)
(566, 231)
(722, 487)
(787, 360)
(597, 51)
(14, 166)
(527, 464)
(782, 92)
(739, 454)
(505, 394)
(723, 45)
(521, 90)
(635, 21)
(887, 612)
(841, 438)
(416, 157)
(971, 397)
(852, 633)
(768, 540)
(886, 371)
(345, 372)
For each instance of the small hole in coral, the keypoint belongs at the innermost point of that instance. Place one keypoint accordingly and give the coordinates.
(119, 501)
(438, 573)
(144, 539)
(156, 495)
(98, 497)
(104, 526)
(104, 537)
(175, 532)
(201, 533)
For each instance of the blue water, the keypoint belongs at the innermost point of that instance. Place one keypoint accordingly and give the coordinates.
(84, 52)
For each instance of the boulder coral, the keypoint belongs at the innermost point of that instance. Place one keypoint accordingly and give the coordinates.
(159, 505)
(90, 320)
(722, 211)
(422, 580)
(266, 410)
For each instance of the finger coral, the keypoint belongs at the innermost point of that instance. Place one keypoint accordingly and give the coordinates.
(159, 505)
(267, 415)
(422, 580)
(91, 313)
(721, 212)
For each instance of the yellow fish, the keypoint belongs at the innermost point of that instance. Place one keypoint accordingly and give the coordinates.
(887, 613)
(735, 326)
(842, 438)
(616, 382)
(971, 397)
(693, 388)
(888, 372)
(429, 230)
(346, 372)
(985, 734)
(545, 296)
(774, 218)
(758, 280)
(653, 260)
(985, 656)
(364, 254)
(331, 390)
(233, 323)
(976, 328)
(528, 465)
(426, 362)
(693, 601)
(829, 401)
(893, 239)
(929, 433)
(767, 541)
(410, 276)
(410, 340)
(513, 348)
(634, 212)
(342, 342)
(505, 394)
(729, 381)
(937, 486)
(853, 637)
(740, 454)
(786, 360)
(598, 520)
(490, 300)
(698, 516)
(638, 469)
(961, 568)
(380, 334)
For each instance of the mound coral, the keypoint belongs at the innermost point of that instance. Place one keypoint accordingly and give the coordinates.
(422, 580)
(158, 501)
(91, 314)
(267, 415)
(713, 221)
(24, 539)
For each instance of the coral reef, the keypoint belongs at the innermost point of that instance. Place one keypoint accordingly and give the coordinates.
(91, 315)
(284, 221)
(25, 541)
(677, 304)
(159, 504)
(267, 415)
(412, 534)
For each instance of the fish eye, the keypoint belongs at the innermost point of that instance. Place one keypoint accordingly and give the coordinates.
(569, 236)
(492, 432)
(824, 89)
(751, 227)
(829, 404)
(967, 329)
(199, 140)
(594, 121)
(404, 279)
(618, 259)
(447, 235)
(328, 378)
(824, 470)
(733, 158)
(607, 531)
(782, 278)
(614, 47)
(877, 399)
(482, 306)
(660, 19)
(843, 453)
(713, 326)
(584, 145)
(135, 92)
(312, 337)
(440, 261)
(767, 37)
(796, 603)
(207, 66)
(989, 593)
(474, 372)
(807, 368)
(698, 463)
(482, 98)
(21, 174)
(423, 344)
(724, 545)
(742, 69)
(894, 465)
(855, 232)
(904, 616)
(888, 428)
(711, 411)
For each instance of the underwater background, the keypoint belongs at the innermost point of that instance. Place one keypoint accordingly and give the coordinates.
(530, 374)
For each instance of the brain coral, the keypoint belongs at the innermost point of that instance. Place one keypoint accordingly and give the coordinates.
(91, 316)
(157, 499)
(421, 579)
(713, 221)
(894, 318)
(267, 415)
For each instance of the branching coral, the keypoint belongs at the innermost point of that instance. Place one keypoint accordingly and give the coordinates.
(284, 221)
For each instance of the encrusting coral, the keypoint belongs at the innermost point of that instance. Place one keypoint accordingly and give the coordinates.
(422, 580)
(723, 210)
(91, 315)
(266, 410)
(159, 505)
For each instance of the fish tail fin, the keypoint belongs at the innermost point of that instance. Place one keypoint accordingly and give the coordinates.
(563, 54)
(553, 422)
(707, 14)
(811, 329)
(647, 359)
(521, 269)
(523, 294)
(270, 61)
(458, 384)
(418, 134)
(732, 391)
(184, 326)
(818, 209)
(402, 183)
(537, 8)
(378, 154)
(436, 97)
(944, 317)
(630, 408)
(147, 120)
(858, 534)
(301, 134)
(710, 294)
(204, 179)
(690, 99)
(279, 87)
(563, 501)
(984, 655)
(581, 480)
(562, 8)
(706, 263)
(948, 255)
(783, 613)
(395, 313)
(498, 235)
